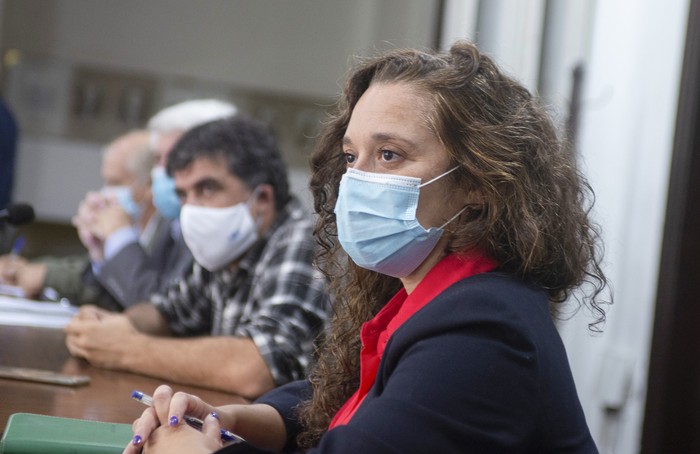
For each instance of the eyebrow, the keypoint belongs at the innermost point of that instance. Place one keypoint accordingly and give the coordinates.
(197, 186)
(207, 181)
(380, 136)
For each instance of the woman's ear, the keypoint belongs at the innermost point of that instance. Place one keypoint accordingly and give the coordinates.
(476, 198)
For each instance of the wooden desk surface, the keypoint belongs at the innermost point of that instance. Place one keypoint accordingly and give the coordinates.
(105, 398)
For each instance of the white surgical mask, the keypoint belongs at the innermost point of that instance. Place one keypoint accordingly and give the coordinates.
(218, 236)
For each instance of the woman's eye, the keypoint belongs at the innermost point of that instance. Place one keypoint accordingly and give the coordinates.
(388, 155)
(349, 158)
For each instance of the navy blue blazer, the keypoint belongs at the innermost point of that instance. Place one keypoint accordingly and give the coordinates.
(480, 369)
(8, 149)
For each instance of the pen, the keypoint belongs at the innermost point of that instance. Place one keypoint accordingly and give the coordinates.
(226, 436)
(17, 246)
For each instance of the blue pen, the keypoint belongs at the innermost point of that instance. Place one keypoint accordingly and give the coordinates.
(226, 436)
(17, 246)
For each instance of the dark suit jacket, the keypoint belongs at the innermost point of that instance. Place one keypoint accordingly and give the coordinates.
(480, 369)
(134, 274)
(8, 145)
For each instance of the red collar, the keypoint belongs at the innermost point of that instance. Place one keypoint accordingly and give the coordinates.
(376, 333)
(450, 270)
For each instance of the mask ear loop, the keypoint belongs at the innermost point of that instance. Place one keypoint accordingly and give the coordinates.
(455, 216)
(438, 177)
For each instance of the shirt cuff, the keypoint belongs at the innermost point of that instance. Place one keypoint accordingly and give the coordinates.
(96, 267)
(119, 240)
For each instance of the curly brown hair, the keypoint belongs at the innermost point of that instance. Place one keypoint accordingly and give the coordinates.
(534, 222)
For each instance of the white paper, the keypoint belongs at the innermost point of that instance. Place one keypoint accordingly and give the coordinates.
(25, 312)
(11, 290)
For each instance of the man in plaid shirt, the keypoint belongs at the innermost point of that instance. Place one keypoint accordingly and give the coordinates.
(245, 318)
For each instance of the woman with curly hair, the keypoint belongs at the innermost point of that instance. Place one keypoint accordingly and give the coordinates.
(454, 225)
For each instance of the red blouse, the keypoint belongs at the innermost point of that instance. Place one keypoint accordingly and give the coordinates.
(376, 333)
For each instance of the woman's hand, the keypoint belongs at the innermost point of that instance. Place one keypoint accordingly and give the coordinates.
(181, 439)
(162, 428)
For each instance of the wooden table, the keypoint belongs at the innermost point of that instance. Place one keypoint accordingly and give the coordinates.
(105, 398)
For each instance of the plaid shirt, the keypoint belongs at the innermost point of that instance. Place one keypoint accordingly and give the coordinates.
(274, 297)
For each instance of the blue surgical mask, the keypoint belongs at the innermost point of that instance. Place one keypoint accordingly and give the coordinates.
(164, 197)
(377, 224)
(123, 195)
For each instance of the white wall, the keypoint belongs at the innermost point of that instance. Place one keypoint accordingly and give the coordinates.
(459, 21)
(512, 32)
(566, 43)
(55, 194)
(298, 48)
(628, 119)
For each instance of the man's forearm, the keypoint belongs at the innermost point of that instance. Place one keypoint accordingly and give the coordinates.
(147, 319)
(223, 363)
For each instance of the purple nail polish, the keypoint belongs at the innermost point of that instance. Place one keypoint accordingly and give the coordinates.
(137, 440)
(213, 414)
(174, 421)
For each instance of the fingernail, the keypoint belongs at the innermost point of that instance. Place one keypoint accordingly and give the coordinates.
(174, 420)
(214, 415)
(137, 440)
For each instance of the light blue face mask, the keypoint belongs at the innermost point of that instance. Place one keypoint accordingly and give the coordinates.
(377, 224)
(164, 197)
(123, 195)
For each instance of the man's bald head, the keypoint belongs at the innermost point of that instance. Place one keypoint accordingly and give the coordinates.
(126, 159)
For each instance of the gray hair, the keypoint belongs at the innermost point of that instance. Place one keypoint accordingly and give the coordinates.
(188, 114)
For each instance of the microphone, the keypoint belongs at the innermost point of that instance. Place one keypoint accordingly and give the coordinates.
(17, 214)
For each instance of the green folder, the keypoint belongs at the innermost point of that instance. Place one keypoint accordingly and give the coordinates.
(29, 433)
